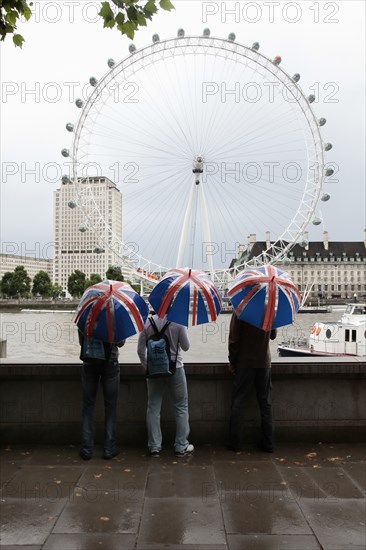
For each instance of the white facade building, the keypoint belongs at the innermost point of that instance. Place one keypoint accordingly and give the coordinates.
(75, 249)
(8, 262)
(326, 269)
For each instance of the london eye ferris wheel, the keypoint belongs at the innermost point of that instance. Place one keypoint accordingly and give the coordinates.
(208, 141)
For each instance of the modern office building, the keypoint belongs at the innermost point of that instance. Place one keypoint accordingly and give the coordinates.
(32, 265)
(76, 245)
(326, 269)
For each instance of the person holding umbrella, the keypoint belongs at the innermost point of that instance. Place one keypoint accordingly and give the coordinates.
(264, 298)
(175, 384)
(100, 365)
(250, 363)
(107, 314)
(183, 297)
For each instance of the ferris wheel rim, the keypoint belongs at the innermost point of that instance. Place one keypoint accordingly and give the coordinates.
(283, 243)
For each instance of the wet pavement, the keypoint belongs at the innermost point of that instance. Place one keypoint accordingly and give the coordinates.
(301, 497)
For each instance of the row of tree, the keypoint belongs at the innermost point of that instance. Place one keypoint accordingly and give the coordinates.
(18, 284)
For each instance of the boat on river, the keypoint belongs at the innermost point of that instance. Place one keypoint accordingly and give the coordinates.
(343, 338)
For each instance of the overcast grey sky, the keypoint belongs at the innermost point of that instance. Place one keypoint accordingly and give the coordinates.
(66, 44)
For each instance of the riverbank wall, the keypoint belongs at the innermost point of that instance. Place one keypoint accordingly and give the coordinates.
(313, 400)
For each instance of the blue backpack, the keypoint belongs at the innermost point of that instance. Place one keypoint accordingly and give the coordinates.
(159, 362)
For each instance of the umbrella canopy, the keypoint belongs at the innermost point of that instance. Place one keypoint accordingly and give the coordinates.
(182, 291)
(264, 297)
(111, 311)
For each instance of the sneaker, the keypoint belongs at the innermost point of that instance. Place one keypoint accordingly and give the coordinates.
(154, 453)
(187, 451)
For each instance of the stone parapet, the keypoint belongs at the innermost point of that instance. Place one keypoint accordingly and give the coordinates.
(313, 400)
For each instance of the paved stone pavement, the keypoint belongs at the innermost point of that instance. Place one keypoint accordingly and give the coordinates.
(302, 497)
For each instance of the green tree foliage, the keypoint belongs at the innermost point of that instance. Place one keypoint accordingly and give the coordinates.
(114, 273)
(57, 291)
(6, 285)
(10, 13)
(42, 285)
(125, 15)
(16, 284)
(93, 280)
(131, 14)
(76, 283)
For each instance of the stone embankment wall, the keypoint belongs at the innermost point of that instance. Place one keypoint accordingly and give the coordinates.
(313, 400)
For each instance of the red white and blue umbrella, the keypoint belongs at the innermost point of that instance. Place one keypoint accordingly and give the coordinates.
(111, 311)
(184, 291)
(264, 297)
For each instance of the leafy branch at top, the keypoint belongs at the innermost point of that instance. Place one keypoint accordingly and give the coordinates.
(129, 15)
(10, 13)
(126, 15)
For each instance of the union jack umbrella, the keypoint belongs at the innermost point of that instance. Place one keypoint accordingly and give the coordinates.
(182, 291)
(264, 297)
(111, 311)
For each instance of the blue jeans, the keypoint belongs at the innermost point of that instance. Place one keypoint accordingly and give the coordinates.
(109, 376)
(245, 379)
(177, 387)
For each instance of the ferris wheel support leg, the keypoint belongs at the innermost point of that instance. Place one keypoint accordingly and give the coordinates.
(186, 222)
(206, 226)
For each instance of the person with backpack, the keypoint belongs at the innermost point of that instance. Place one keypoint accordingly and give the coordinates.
(159, 349)
(100, 365)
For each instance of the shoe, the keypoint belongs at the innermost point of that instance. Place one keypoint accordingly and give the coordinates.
(109, 456)
(261, 447)
(187, 451)
(84, 455)
(154, 453)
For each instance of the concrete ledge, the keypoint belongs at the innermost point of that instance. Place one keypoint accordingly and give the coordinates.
(313, 400)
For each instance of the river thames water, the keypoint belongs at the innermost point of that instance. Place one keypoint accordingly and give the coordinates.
(52, 335)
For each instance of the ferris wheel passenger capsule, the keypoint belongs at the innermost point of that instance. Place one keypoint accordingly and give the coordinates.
(93, 81)
(65, 153)
(69, 127)
(82, 228)
(329, 172)
(311, 98)
(322, 121)
(325, 197)
(72, 204)
(304, 243)
(277, 60)
(316, 221)
(328, 146)
(79, 103)
(232, 37)
(65, 179)
(98, 250)
(132, 48)
(206, 32)
(255, 46)
(156, 38)
(111, 63)
(180, 33)
(296, 77)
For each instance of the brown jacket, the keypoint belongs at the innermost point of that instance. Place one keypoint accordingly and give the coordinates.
(249, 345)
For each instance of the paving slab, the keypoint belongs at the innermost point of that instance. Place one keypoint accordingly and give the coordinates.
(187, 521)
(273, 542)
(117, 477)
(357, 472)
(247, 476)
(90, 542)
(262, 512)
(337, 525)
(181, 481)
(47, 482)
(26, 522)
(101, 511)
